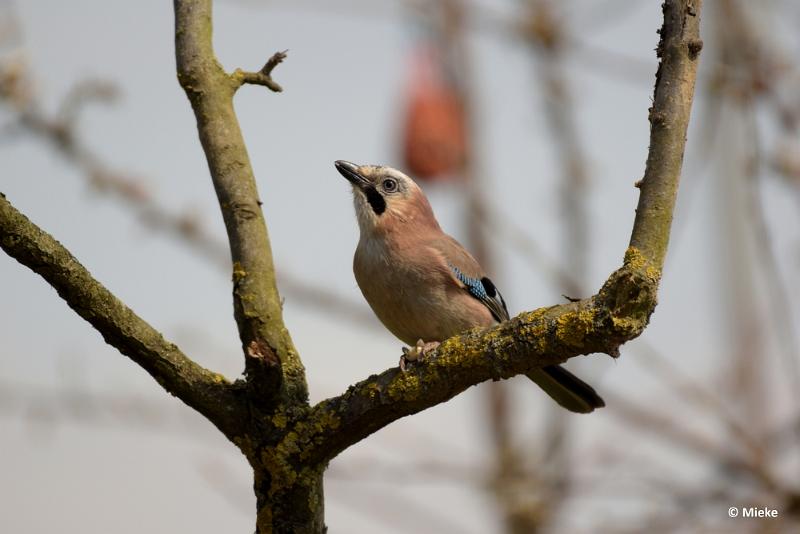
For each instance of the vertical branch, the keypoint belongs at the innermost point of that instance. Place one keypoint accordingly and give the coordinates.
(272, 364)
(678, 49)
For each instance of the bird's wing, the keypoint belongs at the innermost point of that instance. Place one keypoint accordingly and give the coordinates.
(565, 388)
(467, 274)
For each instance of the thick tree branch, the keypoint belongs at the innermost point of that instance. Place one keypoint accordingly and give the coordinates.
(272, 364)
(207, 392)
(618, 313)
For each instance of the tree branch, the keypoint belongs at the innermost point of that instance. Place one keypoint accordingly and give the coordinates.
(262, 77)
(207, 392)
(678, 49)
(272, 365)
(618, 313)
(61, 132)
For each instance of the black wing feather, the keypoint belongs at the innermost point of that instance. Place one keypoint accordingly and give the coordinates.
(485, 291)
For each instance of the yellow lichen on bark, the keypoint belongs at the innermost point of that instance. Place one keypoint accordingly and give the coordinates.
(636, 261)
(572, 327)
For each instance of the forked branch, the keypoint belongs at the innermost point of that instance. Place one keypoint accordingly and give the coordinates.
(262, 77)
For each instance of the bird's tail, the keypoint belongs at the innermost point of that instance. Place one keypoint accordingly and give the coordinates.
(567, 389)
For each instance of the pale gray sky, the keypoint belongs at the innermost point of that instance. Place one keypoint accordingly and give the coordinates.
(343, 79)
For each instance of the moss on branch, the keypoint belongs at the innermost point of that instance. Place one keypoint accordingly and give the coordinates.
(619, 312)
(207, 392)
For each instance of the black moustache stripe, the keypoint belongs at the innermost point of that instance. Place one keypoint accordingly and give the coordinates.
(375, 200)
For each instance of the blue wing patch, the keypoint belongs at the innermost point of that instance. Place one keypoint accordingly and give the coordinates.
(474, 286)
(484, 290)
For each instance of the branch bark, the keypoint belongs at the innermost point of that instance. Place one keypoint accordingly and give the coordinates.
(207, 392)
(263, 76)
(272, 365)
(618, 313)
(678, 48)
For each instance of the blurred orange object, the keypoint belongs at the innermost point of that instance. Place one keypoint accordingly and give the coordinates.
(434, 129)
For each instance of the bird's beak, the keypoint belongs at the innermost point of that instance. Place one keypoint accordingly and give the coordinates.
(350, 171)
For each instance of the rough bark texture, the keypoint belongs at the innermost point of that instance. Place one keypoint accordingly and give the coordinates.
(270, 357)
(288, 442)
(678, 48)
(209, 393)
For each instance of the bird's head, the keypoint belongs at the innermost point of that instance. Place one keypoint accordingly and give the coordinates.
(385, 198)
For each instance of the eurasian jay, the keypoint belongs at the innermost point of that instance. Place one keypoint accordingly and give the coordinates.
(422, 284)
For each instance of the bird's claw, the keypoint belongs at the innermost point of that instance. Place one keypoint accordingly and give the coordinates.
(416, 353)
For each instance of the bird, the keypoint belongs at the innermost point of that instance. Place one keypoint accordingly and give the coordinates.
(422, 284)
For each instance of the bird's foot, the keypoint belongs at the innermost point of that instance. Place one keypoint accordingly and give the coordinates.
(417, 352)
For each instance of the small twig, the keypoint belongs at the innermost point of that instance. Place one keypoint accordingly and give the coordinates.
(263, 76)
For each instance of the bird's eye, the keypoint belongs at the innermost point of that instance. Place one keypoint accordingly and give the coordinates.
(389, 185)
